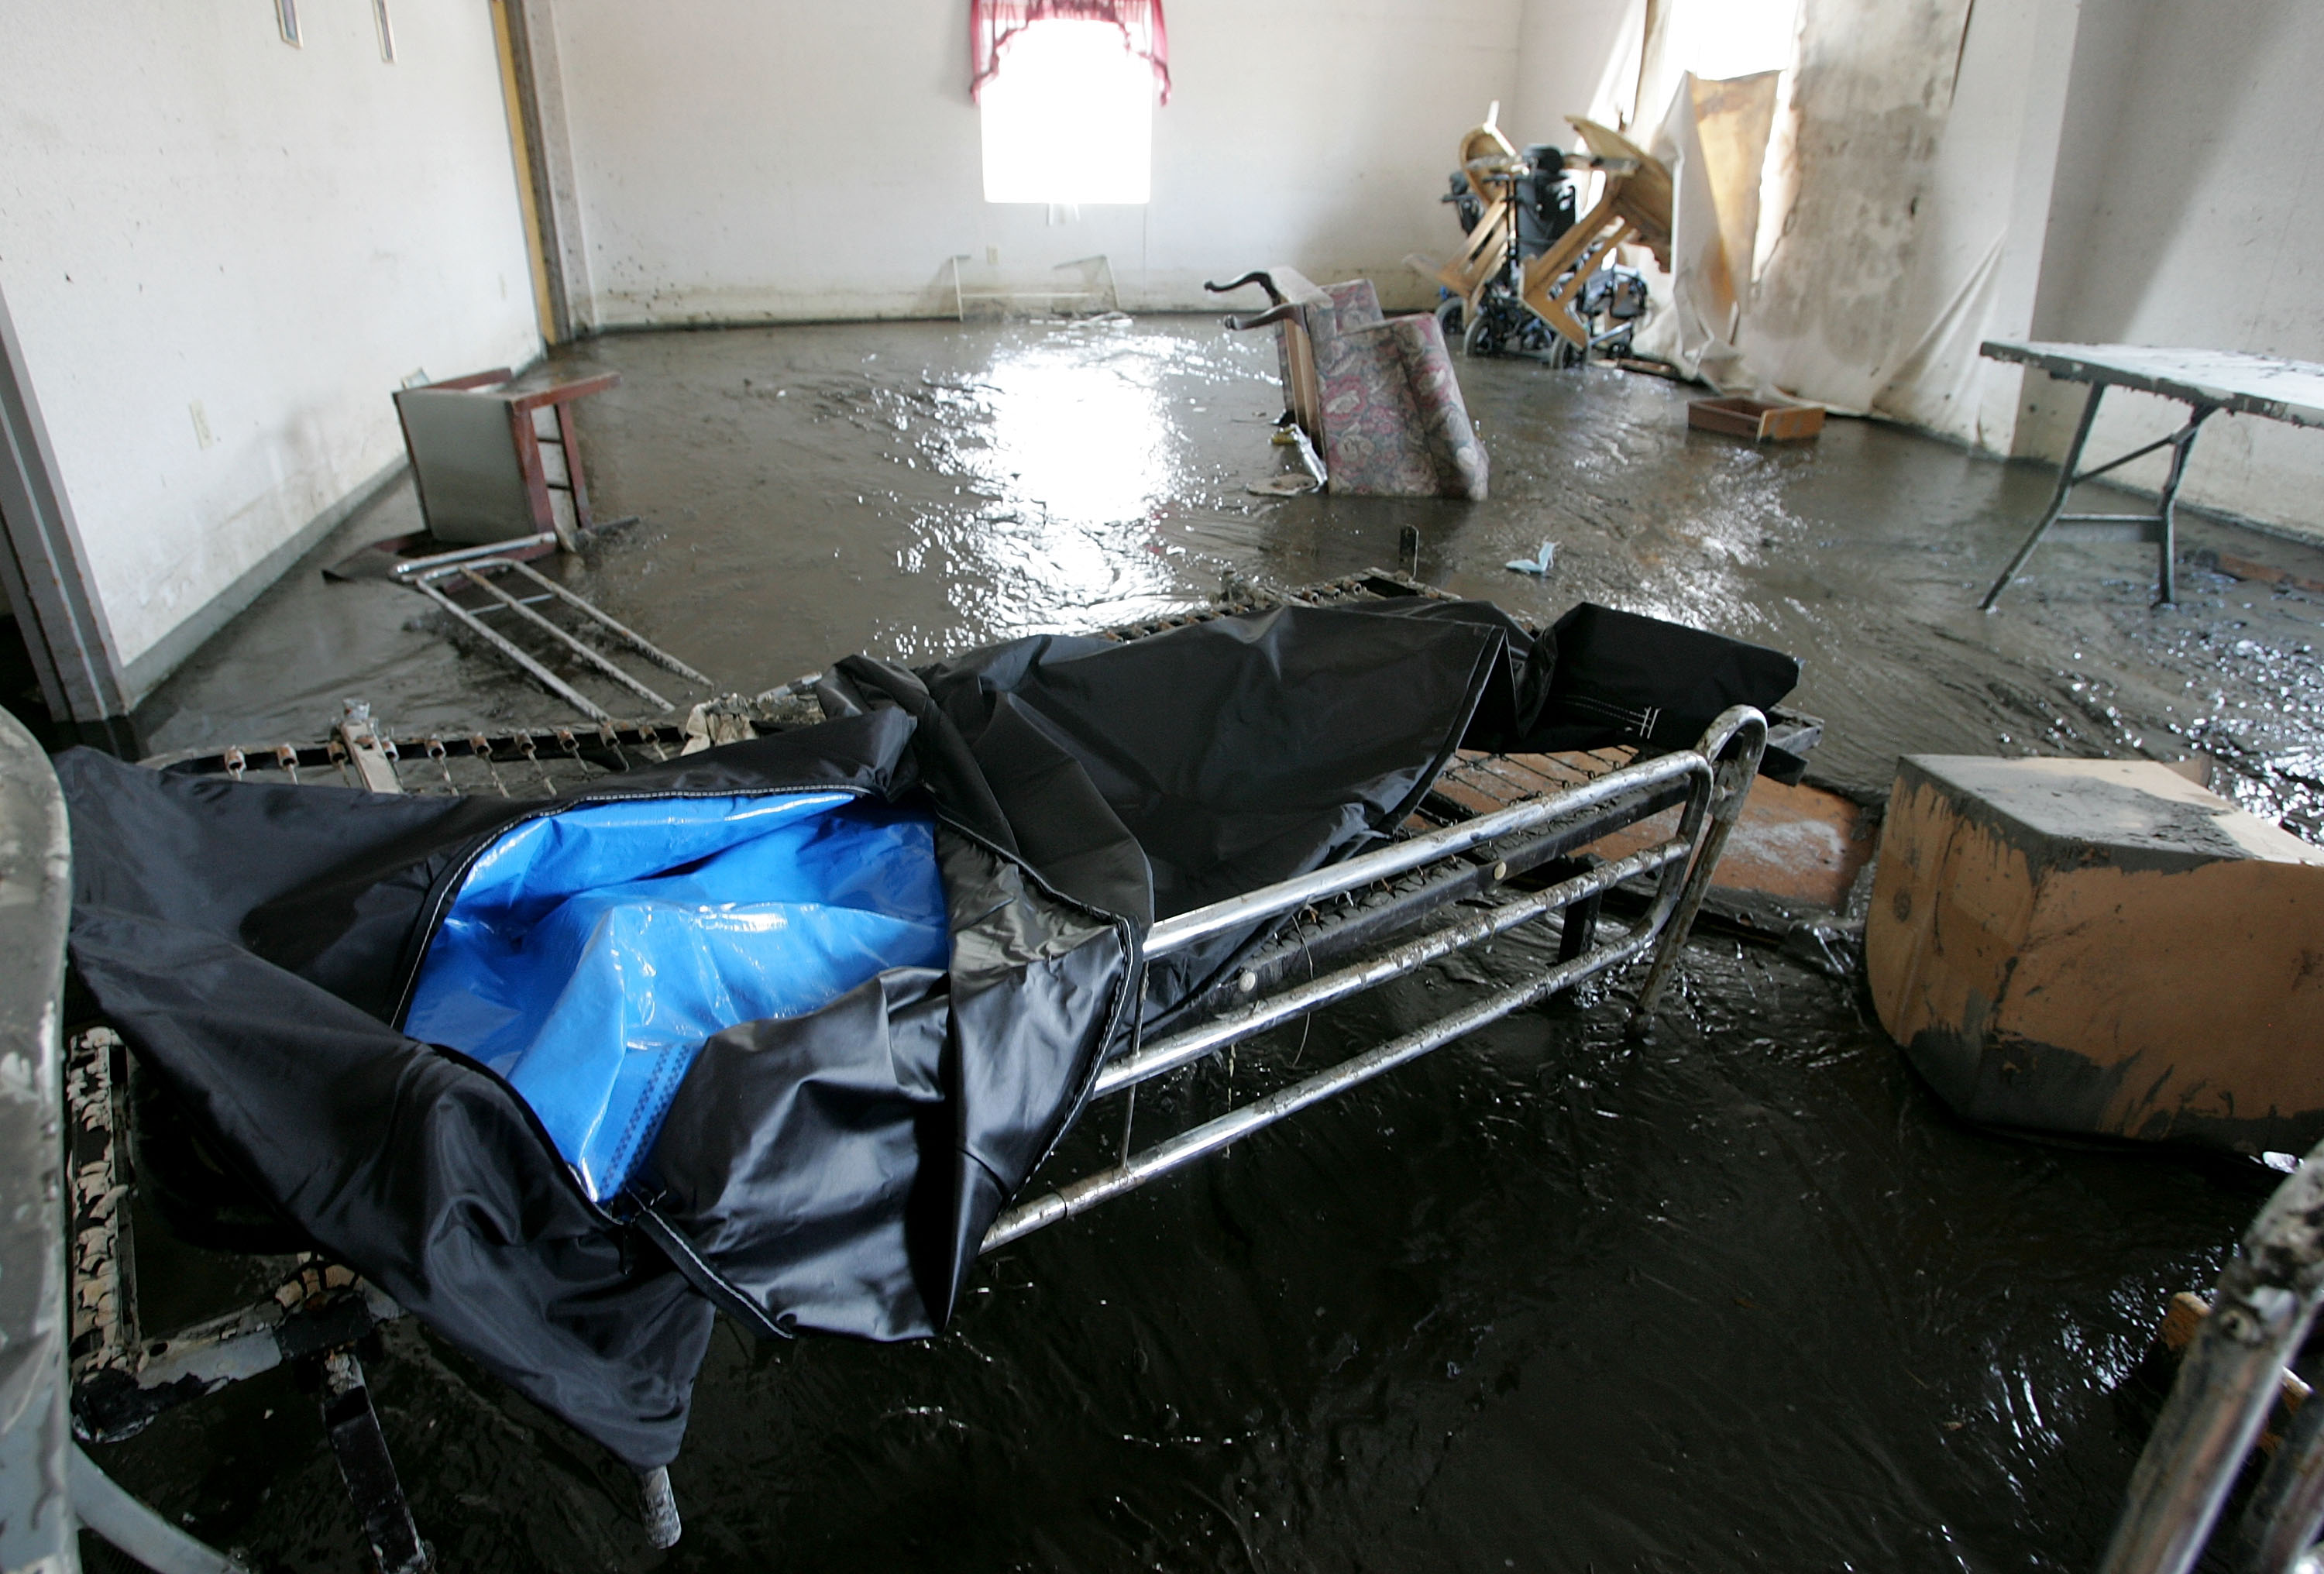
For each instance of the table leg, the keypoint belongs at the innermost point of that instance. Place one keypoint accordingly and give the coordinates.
(2167, 581)
(2066, 478)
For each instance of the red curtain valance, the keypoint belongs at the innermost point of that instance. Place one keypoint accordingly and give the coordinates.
(992, 24)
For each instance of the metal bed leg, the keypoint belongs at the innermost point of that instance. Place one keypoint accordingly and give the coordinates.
(1579, 926)
(1737, 756)
(2066, 480)
(369, 1472)
(658, 1505)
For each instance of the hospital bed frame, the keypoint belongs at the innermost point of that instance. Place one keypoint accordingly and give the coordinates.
(1500, 845)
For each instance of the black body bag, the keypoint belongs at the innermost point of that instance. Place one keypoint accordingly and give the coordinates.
(835, 1170)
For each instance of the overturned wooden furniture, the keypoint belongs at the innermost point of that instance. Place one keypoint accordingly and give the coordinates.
(2102, 947)
(1491, 165)
(500, 484)
(1374, 394)
(1635, 206)
(493, 463)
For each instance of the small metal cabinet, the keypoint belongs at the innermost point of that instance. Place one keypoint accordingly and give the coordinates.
(476, 450)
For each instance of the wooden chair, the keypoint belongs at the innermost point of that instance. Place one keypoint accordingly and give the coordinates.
(1489, 163)
(476, 456)
(1636, 206)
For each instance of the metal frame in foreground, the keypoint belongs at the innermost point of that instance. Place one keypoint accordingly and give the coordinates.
(2265, 1303)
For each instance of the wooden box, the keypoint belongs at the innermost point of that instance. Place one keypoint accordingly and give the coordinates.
(1760, 422)
(2101, 946)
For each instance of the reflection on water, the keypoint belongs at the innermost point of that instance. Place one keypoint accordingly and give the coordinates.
(909, 489)
(1083, 440)
(1077, 455)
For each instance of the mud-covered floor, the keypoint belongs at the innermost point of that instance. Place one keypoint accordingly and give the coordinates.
(1741, 1295)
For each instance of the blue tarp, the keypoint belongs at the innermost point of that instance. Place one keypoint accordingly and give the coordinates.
(589, 954)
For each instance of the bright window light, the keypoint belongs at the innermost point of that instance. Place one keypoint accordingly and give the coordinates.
(1718, 39)
(1069, 118)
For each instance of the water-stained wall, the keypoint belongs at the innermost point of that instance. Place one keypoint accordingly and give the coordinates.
(2100, 170)
(2190, 210)
(222, 253)
(1873, 96)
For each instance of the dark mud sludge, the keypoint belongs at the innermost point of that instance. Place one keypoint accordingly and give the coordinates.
(1739, 1295)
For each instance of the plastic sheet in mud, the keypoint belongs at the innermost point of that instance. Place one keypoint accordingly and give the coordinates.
(587, 955)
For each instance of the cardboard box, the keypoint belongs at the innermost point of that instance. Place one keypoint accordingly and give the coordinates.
(1760, 422)
(2102, 947)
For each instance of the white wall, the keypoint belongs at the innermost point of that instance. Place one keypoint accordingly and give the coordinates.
(192, 211)
(1574, 57)
(2129, 171)
(771, 160)
(2190, 210)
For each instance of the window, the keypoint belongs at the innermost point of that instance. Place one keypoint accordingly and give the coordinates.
(1066, 91)
(1721, 39)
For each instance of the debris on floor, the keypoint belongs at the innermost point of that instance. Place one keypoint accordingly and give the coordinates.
(1757, 420)
(1309, 477)
(1800, 848)
(493, 462)
(2234, 565)
(1514, 208)
(499, 492)
(1538, 565)
(2102, 947)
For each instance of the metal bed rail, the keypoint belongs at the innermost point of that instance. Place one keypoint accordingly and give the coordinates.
(2261, 1309)
(1717, 776)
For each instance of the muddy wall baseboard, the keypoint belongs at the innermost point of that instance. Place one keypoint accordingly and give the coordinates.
(144, 675)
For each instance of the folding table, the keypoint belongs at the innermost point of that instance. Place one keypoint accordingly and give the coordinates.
(2206, 381)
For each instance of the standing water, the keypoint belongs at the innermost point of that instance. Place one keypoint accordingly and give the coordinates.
(1738, 1295)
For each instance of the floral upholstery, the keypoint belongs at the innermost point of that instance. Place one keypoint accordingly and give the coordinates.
(1381, 403)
